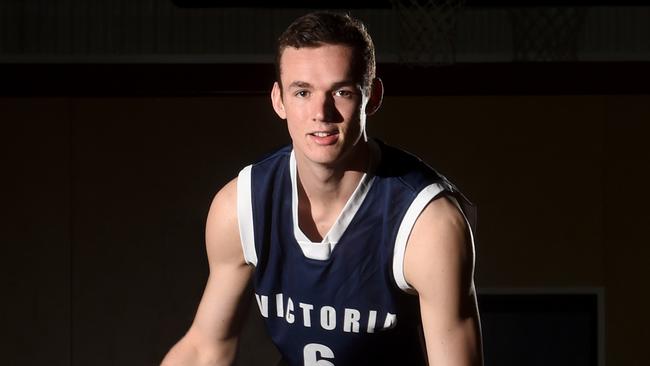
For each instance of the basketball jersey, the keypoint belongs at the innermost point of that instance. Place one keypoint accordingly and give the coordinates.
(343, 301)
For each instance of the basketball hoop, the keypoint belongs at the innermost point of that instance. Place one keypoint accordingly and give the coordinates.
(427, 30)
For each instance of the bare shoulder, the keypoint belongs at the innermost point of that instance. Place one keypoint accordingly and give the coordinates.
(222, 230)
(439, 247)
(225, 201)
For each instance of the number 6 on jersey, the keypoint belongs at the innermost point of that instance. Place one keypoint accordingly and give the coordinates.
(310, 355)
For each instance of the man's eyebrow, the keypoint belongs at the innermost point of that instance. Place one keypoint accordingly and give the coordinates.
(339, 84)
(299, 84)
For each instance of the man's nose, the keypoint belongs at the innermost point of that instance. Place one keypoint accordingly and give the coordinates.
(325, 108)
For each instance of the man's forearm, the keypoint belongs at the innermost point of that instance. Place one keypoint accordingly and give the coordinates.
(190, 353)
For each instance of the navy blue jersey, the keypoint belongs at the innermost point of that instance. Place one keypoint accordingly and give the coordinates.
(344, 300)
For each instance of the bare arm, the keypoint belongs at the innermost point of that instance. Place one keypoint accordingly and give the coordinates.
(439, 264)
(212, 337)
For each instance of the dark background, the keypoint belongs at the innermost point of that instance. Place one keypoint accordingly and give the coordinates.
(113, 149)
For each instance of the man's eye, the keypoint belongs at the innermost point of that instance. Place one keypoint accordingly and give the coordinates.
(302, 93)
(344, 93)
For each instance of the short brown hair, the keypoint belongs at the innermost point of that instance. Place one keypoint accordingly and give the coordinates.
(319, 28)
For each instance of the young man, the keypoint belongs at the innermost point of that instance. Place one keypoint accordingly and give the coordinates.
(359, 253)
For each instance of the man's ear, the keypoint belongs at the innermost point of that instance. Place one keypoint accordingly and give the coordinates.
(376, 96)
(276, 100)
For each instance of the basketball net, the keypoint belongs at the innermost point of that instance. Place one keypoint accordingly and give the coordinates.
(427, 30)
(546, 34)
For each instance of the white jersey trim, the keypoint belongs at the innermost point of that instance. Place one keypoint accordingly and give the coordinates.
(323, 250)
(245, 215)
(415, 209)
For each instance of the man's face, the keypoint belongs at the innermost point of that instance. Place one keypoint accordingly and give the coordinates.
(322, 101)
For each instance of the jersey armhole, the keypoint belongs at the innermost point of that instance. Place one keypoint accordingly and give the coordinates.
(245, 215)
(423, 198)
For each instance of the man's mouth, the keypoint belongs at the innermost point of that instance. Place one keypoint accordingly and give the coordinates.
(324, 134)
(325, 138)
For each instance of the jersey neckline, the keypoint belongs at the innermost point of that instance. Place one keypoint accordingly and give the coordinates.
(322, 250)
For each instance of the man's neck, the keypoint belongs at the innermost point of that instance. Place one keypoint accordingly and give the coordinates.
(324, 184)
(323, 190)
